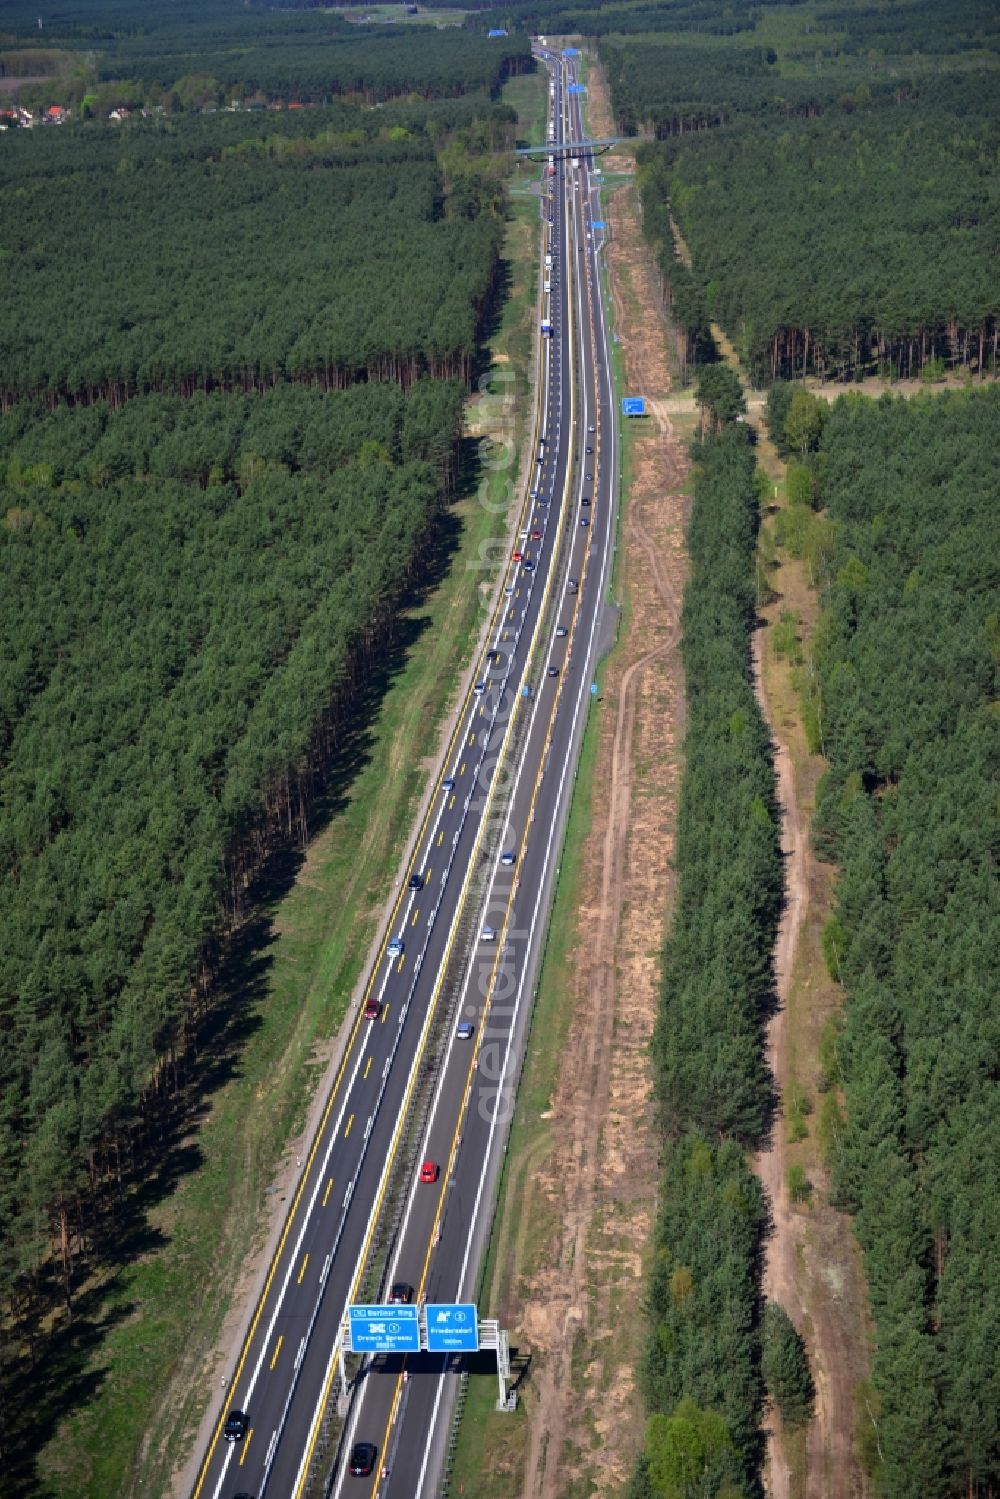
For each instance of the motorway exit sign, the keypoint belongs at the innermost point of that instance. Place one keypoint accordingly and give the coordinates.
(384, 1329)
(452, 1327)
(576, 88)
(571, 52)
(633, 406)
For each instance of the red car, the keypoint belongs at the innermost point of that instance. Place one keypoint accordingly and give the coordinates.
(372, 1009)
(518, 556)
(429, 1171)
(536, 535)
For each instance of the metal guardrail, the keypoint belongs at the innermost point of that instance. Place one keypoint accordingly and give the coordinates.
(372, 1284)
(448, 1466)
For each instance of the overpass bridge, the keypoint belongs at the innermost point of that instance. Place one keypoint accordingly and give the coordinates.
(569, 148)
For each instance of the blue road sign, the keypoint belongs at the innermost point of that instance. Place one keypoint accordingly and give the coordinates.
(576, 88)
(598, 224)
(452, 1328)
(571, 52)
(633, 406)
(593, 689)
(384, 1329)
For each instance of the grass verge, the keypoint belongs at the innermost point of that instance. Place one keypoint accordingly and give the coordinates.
(127, 1383)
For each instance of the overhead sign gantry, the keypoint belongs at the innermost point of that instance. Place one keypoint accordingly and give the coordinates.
(441, 1327)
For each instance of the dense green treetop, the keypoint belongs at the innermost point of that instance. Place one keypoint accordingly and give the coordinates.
(908, 653)
(319, 257)
(191, 590)
(849, 240)
(704, 1343)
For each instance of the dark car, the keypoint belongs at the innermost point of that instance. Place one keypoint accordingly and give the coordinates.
(236, 1427)
(401, 1294)
(416, 882)
(362, 1459)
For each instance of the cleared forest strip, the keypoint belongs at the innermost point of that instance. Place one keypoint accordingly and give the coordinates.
(812, 1266)
(574, 1226)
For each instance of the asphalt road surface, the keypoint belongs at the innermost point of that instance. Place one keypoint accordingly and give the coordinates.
(486, 856)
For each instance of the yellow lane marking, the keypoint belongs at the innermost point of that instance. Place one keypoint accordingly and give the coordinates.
(368, 1068)
(277, 1349)
(446, 1173)
(452, 802)
(347, 1130)
(246, 1447)
(415, 915)
(440, 839)
(302, 1270)
(399, 965)
(314, 1434)
(384, 1015)
(326, 1194)
(461, 769)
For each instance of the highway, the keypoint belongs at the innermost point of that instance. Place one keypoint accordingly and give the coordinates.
(409, 1088)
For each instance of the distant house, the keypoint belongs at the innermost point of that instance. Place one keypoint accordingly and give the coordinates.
(22, 117)
(55, 114)
(497, 31)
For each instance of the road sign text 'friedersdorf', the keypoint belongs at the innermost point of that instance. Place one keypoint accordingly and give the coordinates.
(452, 1328)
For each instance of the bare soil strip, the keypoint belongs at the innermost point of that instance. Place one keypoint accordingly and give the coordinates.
(579, 1307)
(812, 1265)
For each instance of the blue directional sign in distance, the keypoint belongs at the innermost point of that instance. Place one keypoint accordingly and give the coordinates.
(633, 406)
(576, 88)
(598, 224)
(384, 1329)
(452, 1328)
(571, 52)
